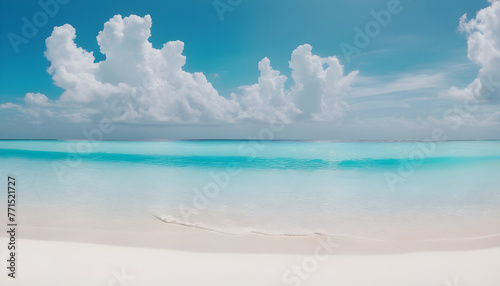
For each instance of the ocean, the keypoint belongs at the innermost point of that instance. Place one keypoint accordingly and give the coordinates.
(365, 190)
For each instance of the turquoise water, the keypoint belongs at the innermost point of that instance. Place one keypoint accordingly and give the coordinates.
(370, 190)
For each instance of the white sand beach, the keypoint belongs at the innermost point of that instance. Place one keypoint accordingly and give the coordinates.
(188, 256)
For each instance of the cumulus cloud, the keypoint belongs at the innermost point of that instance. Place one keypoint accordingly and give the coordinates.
(483, 41)
(139, 83)
(320, 84)
(136, 82)
(266, 100)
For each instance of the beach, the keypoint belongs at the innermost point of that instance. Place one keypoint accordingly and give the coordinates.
(186, 256)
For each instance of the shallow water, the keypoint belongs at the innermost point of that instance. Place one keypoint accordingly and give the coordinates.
(369, 190)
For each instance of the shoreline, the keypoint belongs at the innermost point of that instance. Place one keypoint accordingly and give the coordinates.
(193, 239)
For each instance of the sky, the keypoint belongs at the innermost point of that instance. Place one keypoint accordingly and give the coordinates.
(240, 69)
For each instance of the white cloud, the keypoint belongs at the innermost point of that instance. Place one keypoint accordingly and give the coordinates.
(138, 83)
(375, 86)
(494, 117)
(317, 93)
(266, 100)
(320, 84)
(483, 40)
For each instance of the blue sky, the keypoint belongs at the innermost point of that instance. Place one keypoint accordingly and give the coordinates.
(423, 40)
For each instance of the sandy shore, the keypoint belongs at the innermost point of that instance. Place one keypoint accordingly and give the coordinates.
(185, 256)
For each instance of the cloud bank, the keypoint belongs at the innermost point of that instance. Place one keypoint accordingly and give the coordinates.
(137, 83)
(483, 41)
